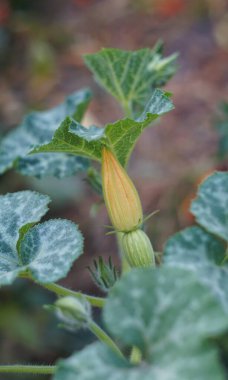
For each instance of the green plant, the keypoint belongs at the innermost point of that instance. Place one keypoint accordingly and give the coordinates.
(167, 322)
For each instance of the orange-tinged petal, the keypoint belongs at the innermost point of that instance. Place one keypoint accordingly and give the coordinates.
(121, 197)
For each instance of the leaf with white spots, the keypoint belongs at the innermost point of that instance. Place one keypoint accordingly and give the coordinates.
(52, 165)
(98, 362)
(211, 205)
(38, 128)
(46, 251)
(158, 310)
(200, 252)
(168, 315)
(16, 211)
(49, 249)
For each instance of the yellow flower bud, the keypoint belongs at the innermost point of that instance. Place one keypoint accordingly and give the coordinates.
(137, 249)
(120, 195)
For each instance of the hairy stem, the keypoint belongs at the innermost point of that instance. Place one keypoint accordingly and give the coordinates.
(63, 292)
(103, 337)
(32, 369)
(225, 257)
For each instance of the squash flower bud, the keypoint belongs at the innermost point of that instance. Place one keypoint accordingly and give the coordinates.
(137, 249)
(74, 313)
(120, 195)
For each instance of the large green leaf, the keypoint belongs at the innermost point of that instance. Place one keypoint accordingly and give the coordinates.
(130, 75)
(150, 310)
(211, 205)
(38, 128)
(169, 316)
(200, 252)
(71, 137)
(46, 251)
(64, 141)
(52, 164)
(98, 362)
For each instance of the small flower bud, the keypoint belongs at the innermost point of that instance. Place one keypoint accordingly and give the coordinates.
(137, 249)
(120, 195)
(74, 313)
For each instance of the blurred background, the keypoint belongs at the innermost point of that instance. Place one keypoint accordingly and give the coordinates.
(41, 48)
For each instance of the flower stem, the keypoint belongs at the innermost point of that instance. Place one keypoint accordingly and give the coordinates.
(32, 369)
(136, 355)
(225, 258)
(103, 337)
(63, 292)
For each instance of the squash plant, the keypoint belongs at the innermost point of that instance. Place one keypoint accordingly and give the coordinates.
(166, 322)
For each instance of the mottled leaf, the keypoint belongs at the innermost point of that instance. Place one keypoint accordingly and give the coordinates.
(98, 362)
(46, 251)
(49, 249)
(211, 205)
(168, 315)
(16, 210)
(38, 128)
(130, 75)
(52, 164)
(150, 310)
(200, 252)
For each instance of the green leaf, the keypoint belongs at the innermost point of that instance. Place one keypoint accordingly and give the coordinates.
(211, 205)
(73, 138)
(97, 362)
(130, 75)
(200, 252)
(38, 128)
(49, 249)
(150, 310)
(52, 164)
(17, 210)
(94, 362)
(46, 251)
(123, 135)
(66, 142)
(168, 315)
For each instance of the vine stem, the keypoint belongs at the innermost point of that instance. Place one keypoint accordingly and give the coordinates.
(103, 337)
(32, 369)
(127, 109)
(136, 355)
(225, 257)
(63, 292)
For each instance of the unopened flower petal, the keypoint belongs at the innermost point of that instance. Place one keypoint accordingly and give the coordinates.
(121, 197)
